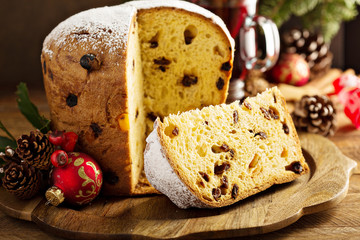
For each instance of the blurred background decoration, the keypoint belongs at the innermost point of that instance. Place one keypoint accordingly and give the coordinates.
(322, 16)
(26, 24)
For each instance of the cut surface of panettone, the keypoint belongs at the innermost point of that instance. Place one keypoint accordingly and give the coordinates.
(110, 71)
(221, 154)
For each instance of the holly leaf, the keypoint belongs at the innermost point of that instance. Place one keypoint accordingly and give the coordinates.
(30, 111)
(4, 142)
(2, 127)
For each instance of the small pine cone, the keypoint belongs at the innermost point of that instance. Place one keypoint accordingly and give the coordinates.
(36, 149)
(311, 46)
(10, 155)
(315, 114)
(22, 180)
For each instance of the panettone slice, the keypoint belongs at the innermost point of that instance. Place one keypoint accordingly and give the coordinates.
(221, 154)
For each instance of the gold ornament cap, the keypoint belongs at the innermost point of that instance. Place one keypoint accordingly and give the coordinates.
(55, 196)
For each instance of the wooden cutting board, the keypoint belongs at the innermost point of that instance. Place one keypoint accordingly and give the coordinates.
(156, 217)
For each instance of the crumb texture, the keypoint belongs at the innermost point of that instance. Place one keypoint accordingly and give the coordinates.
(225, 153)
(173, 49)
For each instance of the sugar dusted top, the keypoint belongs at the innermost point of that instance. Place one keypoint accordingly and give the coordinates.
(108, 27)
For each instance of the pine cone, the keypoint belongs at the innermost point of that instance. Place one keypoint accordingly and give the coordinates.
(315, 114)
(312, 47)
(10, 155)
(22, 180)
(35, 149)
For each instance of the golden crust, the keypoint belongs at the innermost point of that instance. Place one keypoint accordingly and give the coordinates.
(65, 76)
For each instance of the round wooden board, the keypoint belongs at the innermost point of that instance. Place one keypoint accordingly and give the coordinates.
(156, 217)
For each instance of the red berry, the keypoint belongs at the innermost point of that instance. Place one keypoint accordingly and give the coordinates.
(59, 158)
(70, 141)
(57, 137)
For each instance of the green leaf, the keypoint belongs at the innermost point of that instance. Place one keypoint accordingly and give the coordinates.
(2, 127)
(30, 111)
(4, 142)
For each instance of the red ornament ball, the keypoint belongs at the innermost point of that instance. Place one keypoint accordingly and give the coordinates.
(78, 183)
(291, 69)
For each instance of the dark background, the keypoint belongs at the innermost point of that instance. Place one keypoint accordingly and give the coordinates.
(25, 24)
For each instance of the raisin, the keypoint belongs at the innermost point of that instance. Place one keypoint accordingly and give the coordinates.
(154, 44)
(275, 98)
(224, 147)
(273, 114)
(90, 62)
(226, 66)
(71, 100)
(151, 116)
(286, 128)
(235, 191)
(189, 80)
(51, 76)
(202, 183)
(175, 132)
(96, 129)
(261, 134)
(162, 68)
(265, 112)
(219, 149)
(220, 169)
(111, 178)
(220, 83)
(232, 153)
(162, 61)
(296, 167)
(224, 182)
(236, 116)
(44, 66)
(247, 105)
(216, 192)
(188, 40)
(205, 176)
(206, 122)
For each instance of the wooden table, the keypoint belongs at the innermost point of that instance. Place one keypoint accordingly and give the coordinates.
(340, 222)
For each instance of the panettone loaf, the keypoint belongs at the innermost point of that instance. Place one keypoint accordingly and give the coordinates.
(109, 72)
(221, 154)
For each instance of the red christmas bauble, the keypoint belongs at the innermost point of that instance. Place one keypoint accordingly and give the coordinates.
(291, 69)
(78, 183)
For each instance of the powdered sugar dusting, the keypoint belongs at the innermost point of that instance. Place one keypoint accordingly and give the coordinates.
(104, 29)
(107, 28)
(161, 175)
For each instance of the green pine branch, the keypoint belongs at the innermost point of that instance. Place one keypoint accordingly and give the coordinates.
(324, 16)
